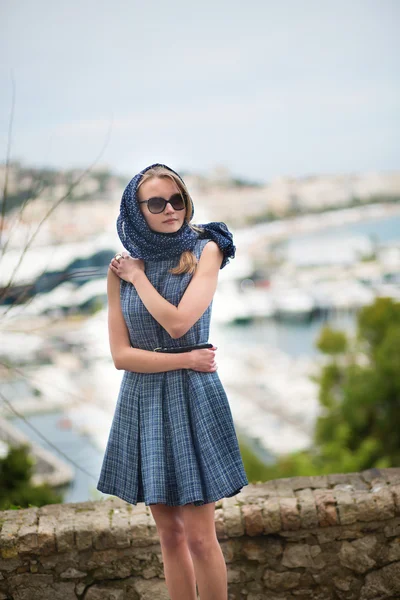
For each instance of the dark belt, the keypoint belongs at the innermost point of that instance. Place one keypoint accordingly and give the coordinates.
(176, 349)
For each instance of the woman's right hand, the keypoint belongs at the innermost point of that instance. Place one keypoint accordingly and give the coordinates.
(202, 360)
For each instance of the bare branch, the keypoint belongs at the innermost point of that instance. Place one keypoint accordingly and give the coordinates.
(8, 154)
(34, 195)
(40, 434)
(72, 186)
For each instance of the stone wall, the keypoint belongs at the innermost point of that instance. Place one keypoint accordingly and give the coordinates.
(302, 538)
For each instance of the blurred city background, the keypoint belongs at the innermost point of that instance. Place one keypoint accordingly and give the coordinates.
(283, 119)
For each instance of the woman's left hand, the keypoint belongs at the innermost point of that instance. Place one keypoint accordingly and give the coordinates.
(126, 267)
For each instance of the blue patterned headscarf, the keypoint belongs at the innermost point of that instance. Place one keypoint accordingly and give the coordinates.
(142, 242)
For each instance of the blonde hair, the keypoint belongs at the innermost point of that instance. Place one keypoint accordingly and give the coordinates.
(187, 261)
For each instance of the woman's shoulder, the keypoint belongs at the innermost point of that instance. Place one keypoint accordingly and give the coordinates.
(207, 251)
(201, 242)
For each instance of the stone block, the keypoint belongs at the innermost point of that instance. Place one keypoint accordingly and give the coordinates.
(302, 555)
(151, 590)
(251, 575)
(101, 592)
(253, 550)
(271, 516)
(72, 573)
(395, 490)
(28, 586)
(366, 506)
(253, 520)
(273, 547)
(10, 564)
(346, 583)
(394, 550)
(346, 507)
(300, 483)
(256, 493)
(140, 530)
(233, 521)
(382, 583)
(318, 481)
(230, 502)
(65, 534)
(326, 507)
(358, 555)
(46, 536)
(121, 526)
(118, 563)
(385, 505)
(290, 516)
(83, 525)
(80, 588)
(392, 528)
(233, 576)
(25, 536)
(30, 580)
(337, 478)
(307, 508)
(219, 524)
(232, 550)
(281, 581)
(284, 488)
(373, 475)
(102, 535)
(8, 534)
(392, 475)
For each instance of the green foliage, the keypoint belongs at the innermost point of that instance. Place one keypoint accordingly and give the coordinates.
(16, 491)
(331, 342)
(359, 392)
(375, 321)
(256, 470)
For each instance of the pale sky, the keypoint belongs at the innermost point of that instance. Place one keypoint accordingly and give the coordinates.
(265, 88)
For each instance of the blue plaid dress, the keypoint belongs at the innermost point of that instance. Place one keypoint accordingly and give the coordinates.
(172, 439)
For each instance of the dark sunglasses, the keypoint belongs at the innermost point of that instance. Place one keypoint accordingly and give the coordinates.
(157, 205)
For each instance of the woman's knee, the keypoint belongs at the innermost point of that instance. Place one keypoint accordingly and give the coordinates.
(199, 523)
(172, 536)
(169, 525)
(201, 545)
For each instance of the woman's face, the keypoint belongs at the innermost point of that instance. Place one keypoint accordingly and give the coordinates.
(169, 220)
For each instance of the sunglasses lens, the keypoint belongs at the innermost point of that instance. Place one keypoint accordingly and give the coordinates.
(177, 202)
(156, 205)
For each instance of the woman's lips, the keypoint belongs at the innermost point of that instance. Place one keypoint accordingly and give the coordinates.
(170, 221)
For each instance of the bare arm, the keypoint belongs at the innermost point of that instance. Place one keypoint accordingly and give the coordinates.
(177, 320)
(145, 361)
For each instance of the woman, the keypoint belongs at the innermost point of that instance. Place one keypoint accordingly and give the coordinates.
(172, 442)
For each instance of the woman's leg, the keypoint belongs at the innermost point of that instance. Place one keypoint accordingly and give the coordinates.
(208, 560)
(178, 565)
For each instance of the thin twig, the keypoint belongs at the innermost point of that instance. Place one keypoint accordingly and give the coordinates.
(34, 195)
(18, 414)
(8, 154)
(55, 205)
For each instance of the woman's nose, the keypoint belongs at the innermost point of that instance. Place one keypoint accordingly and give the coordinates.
(169, 208)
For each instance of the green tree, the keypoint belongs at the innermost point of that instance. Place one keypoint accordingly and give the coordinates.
(359, 392)
(16, 489)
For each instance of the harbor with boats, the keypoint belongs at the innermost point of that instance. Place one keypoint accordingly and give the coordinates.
(267, 311)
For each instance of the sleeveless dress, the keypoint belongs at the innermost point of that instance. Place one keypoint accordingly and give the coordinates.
(172, 439)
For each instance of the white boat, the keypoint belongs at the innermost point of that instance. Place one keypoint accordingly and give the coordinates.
(294, 304)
